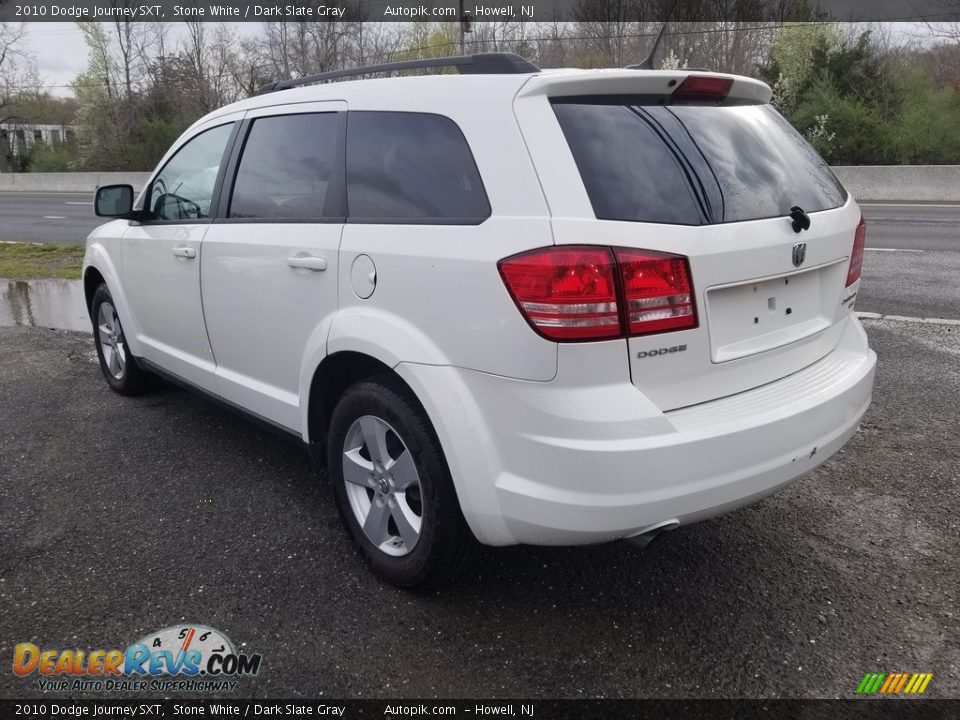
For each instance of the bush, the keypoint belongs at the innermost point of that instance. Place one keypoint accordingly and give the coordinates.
(855, 132)
(859, 106)
(50, 157)
(927, 129)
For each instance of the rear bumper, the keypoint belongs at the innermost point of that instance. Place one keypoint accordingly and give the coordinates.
(570, 462)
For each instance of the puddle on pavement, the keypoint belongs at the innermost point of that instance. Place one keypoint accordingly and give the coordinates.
(43, 303)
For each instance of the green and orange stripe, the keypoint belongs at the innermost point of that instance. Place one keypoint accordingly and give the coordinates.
(894, 683)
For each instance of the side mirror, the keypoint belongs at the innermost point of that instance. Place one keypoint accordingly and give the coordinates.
(114, 201)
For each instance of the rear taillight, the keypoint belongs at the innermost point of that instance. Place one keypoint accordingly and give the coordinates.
(856, 257)
(702, 89)
(566, 293)
(593, 293)
(657, 290)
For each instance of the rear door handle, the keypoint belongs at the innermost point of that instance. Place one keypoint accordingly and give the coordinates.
(307, 262)
(184, 252)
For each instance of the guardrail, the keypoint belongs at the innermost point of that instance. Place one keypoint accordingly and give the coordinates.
(68, 181)
(904, 183)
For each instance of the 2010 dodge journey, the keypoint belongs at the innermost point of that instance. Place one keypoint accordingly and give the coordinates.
(507, 306)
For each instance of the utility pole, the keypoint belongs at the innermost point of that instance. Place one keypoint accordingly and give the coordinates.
(466, 25)
(360, 30)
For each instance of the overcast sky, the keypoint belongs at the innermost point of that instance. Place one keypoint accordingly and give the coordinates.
(61, 53)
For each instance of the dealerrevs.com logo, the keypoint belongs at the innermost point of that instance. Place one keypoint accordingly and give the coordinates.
(180, 658)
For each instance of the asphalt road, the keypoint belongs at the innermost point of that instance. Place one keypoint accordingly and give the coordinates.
(912, 264)
(120, 516)
(47, 217)
(928, 227)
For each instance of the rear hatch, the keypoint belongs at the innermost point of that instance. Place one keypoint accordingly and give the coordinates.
(702, 167)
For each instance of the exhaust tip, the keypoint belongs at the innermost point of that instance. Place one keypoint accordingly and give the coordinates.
(646, 536)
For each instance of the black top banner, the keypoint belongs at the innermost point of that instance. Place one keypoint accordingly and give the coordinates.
(620, 11)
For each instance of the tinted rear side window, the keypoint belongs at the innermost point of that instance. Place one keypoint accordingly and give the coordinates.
(285, 169)
(410, 167)
(692, 164)
(629, 173)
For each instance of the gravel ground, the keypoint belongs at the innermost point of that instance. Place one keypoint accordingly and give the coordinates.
(120, 516)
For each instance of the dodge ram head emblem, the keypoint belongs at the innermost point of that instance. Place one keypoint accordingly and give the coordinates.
(799, 254)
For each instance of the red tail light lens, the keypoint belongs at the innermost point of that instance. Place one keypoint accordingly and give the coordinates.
(565, 293)
(702, 88)
(658, 291)
(856, 257)
(577, 292)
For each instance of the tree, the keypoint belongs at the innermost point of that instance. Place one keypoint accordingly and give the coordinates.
(791, 67)
(424, 40)
(18, 80)
(131, 41)
(942, 62)
(17, 71)
(928, 118)
(861, 100)
(608, 28)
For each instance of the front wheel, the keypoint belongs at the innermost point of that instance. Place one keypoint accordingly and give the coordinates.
(393, 486)
(119, 367)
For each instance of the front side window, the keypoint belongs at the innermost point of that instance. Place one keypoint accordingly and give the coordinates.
(183, 190)
(285, 169)
(409, 167)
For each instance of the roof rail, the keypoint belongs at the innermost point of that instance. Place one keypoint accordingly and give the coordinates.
(476, 64)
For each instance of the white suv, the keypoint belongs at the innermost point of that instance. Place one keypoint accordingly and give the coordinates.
(509, 306)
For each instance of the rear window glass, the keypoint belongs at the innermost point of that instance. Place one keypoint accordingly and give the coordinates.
(628, 172)
(732, 163)
(409, 167)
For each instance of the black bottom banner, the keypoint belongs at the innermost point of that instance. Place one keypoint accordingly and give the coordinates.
(487, 709)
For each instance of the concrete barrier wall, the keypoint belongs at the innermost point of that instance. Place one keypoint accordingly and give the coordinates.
(918, 183)
(69, 181)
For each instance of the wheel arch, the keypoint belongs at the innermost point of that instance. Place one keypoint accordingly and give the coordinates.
(98, 267)
(339, 371)
(334, 375)
(92, 279)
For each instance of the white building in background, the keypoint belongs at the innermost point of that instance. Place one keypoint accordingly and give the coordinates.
(17, 137)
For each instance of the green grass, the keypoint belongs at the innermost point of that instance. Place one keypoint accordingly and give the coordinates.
(27, 261)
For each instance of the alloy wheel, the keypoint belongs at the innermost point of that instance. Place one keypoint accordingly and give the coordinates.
(111, 340)
(383, 485)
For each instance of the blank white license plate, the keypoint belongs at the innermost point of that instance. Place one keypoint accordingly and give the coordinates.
(755, 316)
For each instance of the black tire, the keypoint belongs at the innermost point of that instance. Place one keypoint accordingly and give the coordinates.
(126, 377)
(445, 541)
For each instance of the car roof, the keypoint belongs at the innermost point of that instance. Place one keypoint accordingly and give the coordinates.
(436, 92)
(426, 87)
